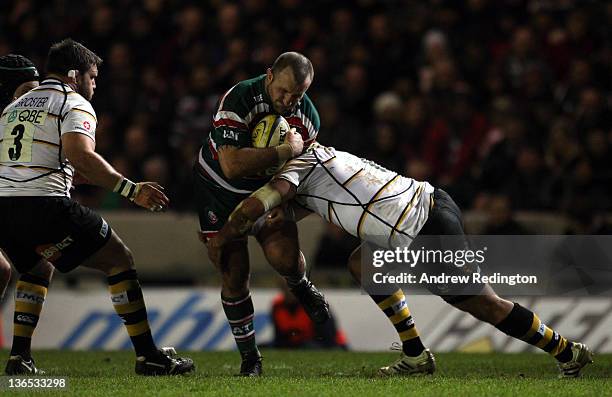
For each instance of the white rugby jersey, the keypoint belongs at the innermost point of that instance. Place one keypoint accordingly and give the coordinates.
(360, 196)
(31, 161)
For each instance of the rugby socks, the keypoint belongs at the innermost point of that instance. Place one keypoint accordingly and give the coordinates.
(129, 304)
(395, 308)
(525, 325)
(30, 294)
(240, 313)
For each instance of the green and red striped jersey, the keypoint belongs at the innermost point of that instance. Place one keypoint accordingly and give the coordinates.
(237, 112)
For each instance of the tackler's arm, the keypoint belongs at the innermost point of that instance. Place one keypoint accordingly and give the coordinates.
(247, 212)
(261, 201)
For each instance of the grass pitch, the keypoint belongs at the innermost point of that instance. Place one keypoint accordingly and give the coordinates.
(318, 373)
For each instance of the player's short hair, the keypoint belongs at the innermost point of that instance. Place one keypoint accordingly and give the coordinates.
(70, 55)
(300, 66)
(14, 71)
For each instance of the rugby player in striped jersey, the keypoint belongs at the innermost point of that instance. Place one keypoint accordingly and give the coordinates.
(228, 169)
(388, 210)
(19, 75)
(47, 135)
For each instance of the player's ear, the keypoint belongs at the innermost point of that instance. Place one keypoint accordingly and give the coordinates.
(72, 76)
(269, 75)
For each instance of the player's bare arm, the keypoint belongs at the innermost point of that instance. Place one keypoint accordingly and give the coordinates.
(80, 151)
(240, 162)
(270, 196)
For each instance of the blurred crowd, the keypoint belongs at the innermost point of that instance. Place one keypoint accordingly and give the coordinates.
(485, 98)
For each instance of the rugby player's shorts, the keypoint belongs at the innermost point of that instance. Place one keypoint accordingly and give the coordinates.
(57, 229)
(215, 204)
(444, 230)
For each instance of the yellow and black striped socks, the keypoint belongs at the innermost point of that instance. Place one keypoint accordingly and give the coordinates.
(30, 294)
(240, 314)
(395, 308)
(129, 304)
(525, 325)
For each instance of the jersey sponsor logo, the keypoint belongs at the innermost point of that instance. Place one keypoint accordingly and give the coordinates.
(12, 116)
(28, 297)
(229, 134)
(36, 102)
(212, 217)
(32, 116)
(258, 98)
(86, 125)
(53, 251)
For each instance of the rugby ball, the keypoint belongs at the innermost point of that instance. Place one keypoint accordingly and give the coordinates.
(270, 131)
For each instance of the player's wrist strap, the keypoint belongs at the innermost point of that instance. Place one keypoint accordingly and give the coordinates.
(285, 152)
(126, 188)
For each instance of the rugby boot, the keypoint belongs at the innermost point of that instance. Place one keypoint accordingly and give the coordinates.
(312, 300)
(581, 356)
(165, 362)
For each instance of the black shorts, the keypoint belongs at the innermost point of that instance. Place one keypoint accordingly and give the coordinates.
(444, 230)
(57, 229)
(214, 204)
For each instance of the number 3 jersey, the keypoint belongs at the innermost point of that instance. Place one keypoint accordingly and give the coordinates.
(363, 198)
(31, 158)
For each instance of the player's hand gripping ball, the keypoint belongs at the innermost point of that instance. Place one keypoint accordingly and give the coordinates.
(270, 131)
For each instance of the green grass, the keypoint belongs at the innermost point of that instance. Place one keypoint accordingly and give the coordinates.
(324, 374)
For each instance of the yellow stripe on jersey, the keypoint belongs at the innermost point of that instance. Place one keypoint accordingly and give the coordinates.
(409, 206)
(346, 183)
(372, 200)
(84, 111)
(328, 160)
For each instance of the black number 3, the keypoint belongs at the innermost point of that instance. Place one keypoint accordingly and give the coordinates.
(15, 153)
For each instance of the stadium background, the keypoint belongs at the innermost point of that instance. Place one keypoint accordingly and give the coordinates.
(505, 104)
